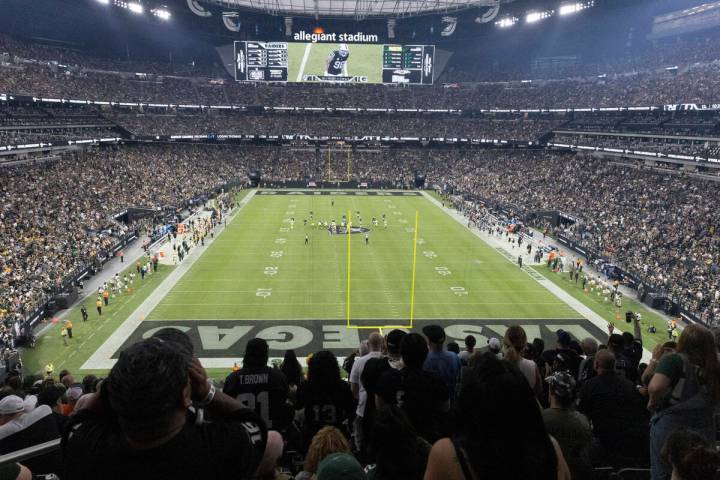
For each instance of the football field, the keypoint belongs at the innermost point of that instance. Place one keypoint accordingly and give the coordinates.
(259, 278)
(309, 59)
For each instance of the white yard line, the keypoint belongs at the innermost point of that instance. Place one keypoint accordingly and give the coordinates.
(306, 55)
(561, 294)
(101, 359)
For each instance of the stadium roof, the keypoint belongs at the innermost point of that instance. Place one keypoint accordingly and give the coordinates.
(359, 9)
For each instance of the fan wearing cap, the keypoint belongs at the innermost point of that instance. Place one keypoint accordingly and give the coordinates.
(340, 466)
(446, 364)
(570, 428)
(19, 430)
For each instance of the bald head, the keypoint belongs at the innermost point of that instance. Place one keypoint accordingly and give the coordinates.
(605, 361)
(375, 342)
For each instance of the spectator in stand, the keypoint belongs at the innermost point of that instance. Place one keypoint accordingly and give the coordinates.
(691, 456)
(327, 441)
(374, 369)
(375, 343)
(514, 345)
(140, 419)
(325, 398)
(512, 443)
(422, 395)
(469, 350)
(340, 466)
(618, 415)
(586, 371)
(684, 392)
(261, 388)
(400, 453)
(20, 429)
(627, 350)
(563, 357)
(15, 471)
(445, 364)
(570, 428)
(292, 370)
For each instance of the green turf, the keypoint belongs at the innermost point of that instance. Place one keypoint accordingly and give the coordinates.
(609, 312)
(457, 276)
(365, 60)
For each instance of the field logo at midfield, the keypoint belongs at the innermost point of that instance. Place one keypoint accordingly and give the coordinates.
(343, 230)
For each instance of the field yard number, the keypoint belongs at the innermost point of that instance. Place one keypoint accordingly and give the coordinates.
(442, 271)
(402, 220)
(271, 271)
(249, 400)
(284, 229)
(276, 253)
(459, 291)
(430, 254)
(263, 292)
(397, 213)
(410, 229)
(280, 241)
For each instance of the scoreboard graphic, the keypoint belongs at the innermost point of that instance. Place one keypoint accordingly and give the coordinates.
(410, 64)
(334, 63)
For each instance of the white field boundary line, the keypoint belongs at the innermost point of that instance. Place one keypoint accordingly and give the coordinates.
(561, 294)
(306, 55)
(101, 358)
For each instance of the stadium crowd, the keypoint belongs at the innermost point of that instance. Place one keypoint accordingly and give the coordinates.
(669, 240)
(661, 230)
(56, 217)
(337, 125)
(27, 70)
(413, 407)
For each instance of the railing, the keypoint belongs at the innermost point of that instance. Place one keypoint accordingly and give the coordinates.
(30, 452)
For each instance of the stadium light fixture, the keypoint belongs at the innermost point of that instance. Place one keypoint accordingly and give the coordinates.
(506, 22)
(161, 13)
(104, 2)
(135, 7)
(533, 17)
(574, 7)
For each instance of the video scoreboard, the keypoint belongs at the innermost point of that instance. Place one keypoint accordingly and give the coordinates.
(410, 64)
(257, 61)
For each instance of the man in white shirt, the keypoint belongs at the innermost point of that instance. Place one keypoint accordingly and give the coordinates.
(375, 342)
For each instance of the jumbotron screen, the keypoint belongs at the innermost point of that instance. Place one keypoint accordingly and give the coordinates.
(334, 62)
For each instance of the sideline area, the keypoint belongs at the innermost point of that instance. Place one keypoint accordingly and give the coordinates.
(504, 249)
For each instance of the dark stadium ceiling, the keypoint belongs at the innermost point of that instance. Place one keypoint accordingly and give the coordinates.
(357, 9)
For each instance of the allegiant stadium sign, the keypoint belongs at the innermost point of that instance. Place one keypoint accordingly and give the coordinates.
(358, 37)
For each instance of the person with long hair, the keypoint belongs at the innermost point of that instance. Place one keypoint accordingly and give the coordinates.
(400, 454)
(500, 431)
(684, 393)
(325, 398)
(292, 369)
(327, 440)
(514, 344)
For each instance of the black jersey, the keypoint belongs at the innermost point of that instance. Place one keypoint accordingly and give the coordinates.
(336, 64)
(420, 394)
(330, 406)
(264, 390)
